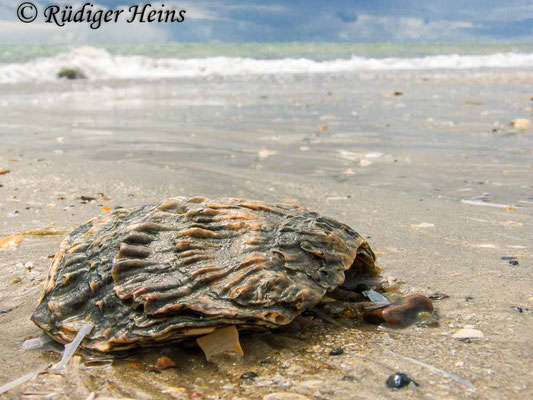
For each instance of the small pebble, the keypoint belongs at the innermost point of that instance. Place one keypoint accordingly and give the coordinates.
(521, 123)
(401, 313)
(519, 309)
(468, 333)
(399, 380)
(336, 352)
(349, 378)
(249, 375)
(438, 296)
(468, 298)
(164, 362)
(360, 288)
(513, 262)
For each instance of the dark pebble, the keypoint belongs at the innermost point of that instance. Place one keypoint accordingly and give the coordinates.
(399, 380)
(519, 309)
(513, 262)
(336, 352)
(249, 375)
(360, 288)
(349, 378)
(87, 198)
(438, 296)
(468, 298)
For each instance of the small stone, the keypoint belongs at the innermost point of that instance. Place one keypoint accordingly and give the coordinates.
(71, 73)
(14, 281)
(164, 362)
(468, 333)
(248, 375)
(336, 352)
(519, 309)
(349, 378)
(265, 153)
(521, 123)
(176, 392)
(312, 384)
(360, 288)
(399, 380)
(438, 296)
(87, 198)
(401, 313)
(513, 262)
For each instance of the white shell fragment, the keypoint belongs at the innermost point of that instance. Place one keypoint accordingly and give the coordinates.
(422, 225)
(222, 341)
(468, 333)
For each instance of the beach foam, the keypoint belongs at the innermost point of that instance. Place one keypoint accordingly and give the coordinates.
(99, 64)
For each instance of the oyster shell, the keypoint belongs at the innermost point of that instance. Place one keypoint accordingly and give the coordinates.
(185, 267)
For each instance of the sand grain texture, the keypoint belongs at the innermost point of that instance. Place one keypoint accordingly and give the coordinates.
(447, 138)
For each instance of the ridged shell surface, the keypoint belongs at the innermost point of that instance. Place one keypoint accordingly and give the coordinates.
(186, 266)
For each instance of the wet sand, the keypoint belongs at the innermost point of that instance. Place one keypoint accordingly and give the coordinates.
(391, 154)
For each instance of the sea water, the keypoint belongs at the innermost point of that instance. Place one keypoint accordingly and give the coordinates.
(178, 60)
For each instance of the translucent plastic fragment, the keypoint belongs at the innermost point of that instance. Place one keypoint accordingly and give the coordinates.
(375, 297)
(19, 381)
(36, 343)
(71, 348)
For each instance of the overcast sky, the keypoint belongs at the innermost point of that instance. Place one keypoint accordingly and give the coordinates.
(278, 21)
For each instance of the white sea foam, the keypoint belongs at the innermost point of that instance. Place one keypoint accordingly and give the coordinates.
(100, 64)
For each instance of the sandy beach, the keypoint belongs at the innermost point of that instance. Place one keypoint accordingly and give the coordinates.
(426, 164)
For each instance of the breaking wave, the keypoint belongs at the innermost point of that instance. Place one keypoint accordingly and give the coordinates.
(99, 64)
